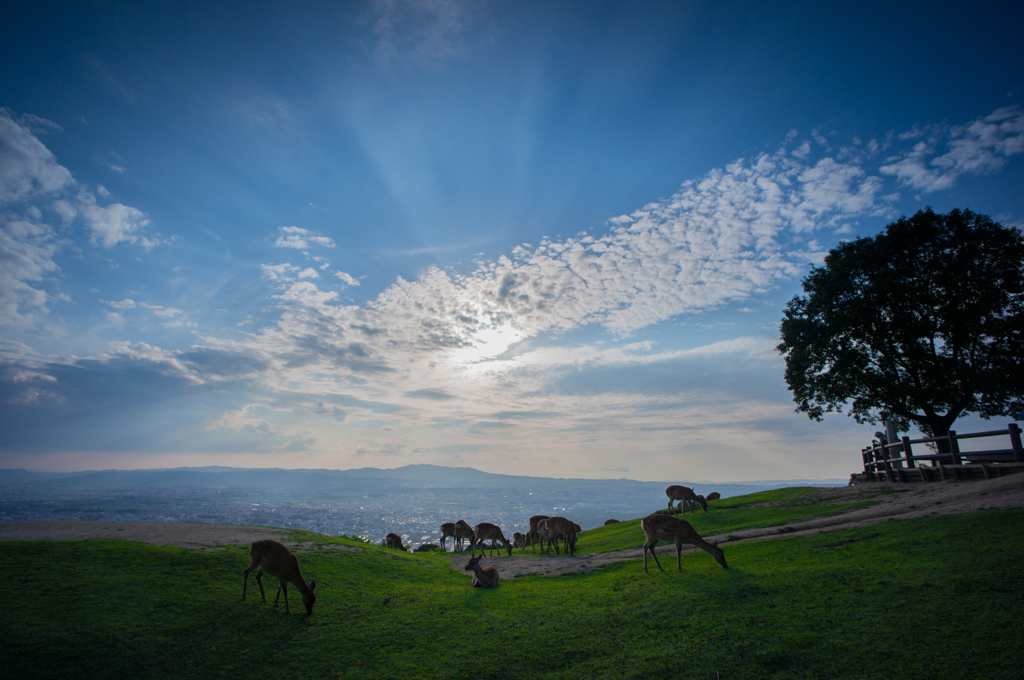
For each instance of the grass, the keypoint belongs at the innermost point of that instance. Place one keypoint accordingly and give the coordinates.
(763, 509)
(903, 599)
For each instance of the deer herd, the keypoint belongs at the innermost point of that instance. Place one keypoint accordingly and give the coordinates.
(269, 556)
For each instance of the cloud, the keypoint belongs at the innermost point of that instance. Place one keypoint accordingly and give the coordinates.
(111, 82)
(29, 174)
(27, 167)
(535, 347)
(172, 317)
(114, 223)
(127, 303)
(347, 278)
(425, 32)
(300, 239)
(980, 147)
(27, 248)
(267, 111)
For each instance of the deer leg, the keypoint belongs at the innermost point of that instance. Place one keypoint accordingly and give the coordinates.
(651, 545)
(259, 582)
(280, 588)
(245, 579)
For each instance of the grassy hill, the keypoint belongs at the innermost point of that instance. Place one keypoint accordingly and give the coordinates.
(936, 597)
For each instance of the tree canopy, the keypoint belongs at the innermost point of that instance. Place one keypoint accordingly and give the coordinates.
(922, 323)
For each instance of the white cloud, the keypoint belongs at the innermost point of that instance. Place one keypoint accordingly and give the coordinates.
(27, 248)
(127, 303)
(300, 239)
(26, 166)
(30, 173)
(172, 317)
(278, 272)
(309, 273)
(979, 147)
(114, 223)
(347, 278)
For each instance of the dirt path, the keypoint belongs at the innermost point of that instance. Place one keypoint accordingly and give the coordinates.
(908, 500)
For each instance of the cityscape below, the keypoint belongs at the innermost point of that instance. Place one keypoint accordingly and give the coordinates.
(368, 503)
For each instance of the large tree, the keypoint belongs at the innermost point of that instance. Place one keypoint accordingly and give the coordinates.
(922, 323)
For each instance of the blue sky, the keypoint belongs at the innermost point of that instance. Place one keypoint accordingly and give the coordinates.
(547, 238)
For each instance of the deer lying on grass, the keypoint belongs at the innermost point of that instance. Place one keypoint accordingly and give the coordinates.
(658, 527)
(610, 521)
(684, 493)
(448, 529)
(273, 558)
(485, 531)
(394, 541)
(714, 496)
(483, 577)
(533, 537)
(553, 528)
(462, 532)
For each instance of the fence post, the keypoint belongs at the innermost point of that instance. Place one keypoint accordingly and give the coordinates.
(907, 452)
(892, 439)
(954, 447)
(883, 453)
(1018, 452)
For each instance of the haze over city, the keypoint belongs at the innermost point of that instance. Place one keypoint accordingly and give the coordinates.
(543, 239)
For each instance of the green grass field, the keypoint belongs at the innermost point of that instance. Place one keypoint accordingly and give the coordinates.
(925, 598)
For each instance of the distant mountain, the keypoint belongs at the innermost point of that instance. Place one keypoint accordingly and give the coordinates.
(356, 480)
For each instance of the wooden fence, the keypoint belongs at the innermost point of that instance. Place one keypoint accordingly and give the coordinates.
(897, 461)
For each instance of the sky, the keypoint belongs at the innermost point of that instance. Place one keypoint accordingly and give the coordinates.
(538, 238)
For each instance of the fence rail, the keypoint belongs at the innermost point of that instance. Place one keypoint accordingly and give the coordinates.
(897, 462)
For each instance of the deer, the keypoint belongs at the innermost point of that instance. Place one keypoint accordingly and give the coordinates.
(485, 531)
(518, 540)
(714, 496)
(553, 528)
(483, 577)
(394, 541)
(658, 527)
(684, 493)
(273, 558)
(448, 529)
(533, 536)
(691, 505)
(462, 532)
(608, 522)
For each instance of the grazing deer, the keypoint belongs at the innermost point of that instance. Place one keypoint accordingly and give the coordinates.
(533, 537)
(394, 541)
(684, 493)
(485, 531)
(518, 540)
(448, 529)
(273, 558)
(553, 528)
(483, 577)
(658, 527)
(714, 496)
(462, 532)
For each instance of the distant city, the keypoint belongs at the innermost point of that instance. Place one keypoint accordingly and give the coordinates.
(368, 503)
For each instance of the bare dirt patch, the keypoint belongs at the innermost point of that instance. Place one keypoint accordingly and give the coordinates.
(180, 534)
